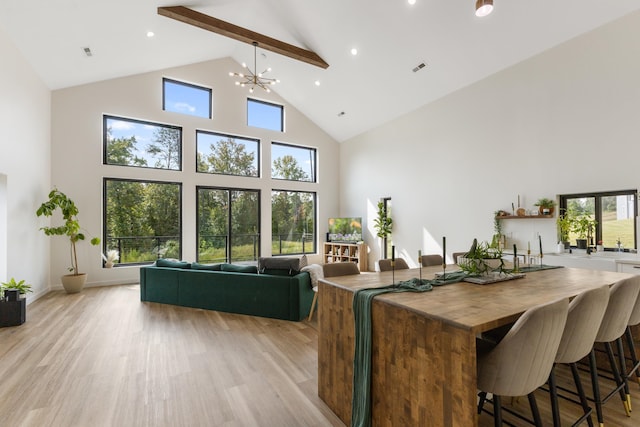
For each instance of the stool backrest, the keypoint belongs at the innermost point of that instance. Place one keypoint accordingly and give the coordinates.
(622, 299)
(385, 264)
(583, 322)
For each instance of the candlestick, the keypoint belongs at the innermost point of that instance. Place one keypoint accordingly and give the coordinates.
(419, 257)
(515, 258)
(444, 257)
(540, 240)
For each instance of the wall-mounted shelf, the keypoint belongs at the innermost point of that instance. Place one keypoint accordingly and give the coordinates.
(525, 216)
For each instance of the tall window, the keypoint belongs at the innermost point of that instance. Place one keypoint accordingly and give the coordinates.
(293, 222)
(142, 220)
(614, 214)
(265, 115)
(293, 162)
(185, 98)
(128, 142)
(227, 154)
(228, 224)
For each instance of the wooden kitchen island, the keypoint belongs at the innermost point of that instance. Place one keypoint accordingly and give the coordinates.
(423, 344)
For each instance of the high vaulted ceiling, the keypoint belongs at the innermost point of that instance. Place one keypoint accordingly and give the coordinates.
(375, 86)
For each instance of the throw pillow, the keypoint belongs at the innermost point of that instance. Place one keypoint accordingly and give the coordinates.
(173, 263)
(238, 268)
(212, 267)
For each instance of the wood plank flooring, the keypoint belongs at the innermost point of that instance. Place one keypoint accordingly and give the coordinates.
(103, 358)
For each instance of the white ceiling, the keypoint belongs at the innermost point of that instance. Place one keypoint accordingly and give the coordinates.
(375, 86)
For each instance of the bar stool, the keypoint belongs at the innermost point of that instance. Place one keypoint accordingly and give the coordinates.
(633, 321)
(622, 298)
(431, 260)
(385, 264)
(333, 269)
(583, 322)
(522, 361)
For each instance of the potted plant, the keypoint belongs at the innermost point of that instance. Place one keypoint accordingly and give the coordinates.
(583, 226)
(70, 228)
(20, 286)
(545, 206)
(383, 224)
(565, 225)
(111, 258)
(481, 259)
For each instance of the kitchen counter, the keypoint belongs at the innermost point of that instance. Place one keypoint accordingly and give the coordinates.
(624, 262)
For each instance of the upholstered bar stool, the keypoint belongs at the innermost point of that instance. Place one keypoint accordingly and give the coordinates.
(431, 260)
(333, 269)
(622, 298)
(522, 361)
(633, 321)
(583, 322)
(385, 264)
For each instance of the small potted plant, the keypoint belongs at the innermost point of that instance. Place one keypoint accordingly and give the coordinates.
(583, 226)
(21, 287)
(565, 225)
(111, 258)
(545, 206)
(481, 259)
(70, 228)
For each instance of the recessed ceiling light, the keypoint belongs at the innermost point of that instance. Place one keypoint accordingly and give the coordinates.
(317, 83)
(411, 2)
(150, 34)
(354, 51)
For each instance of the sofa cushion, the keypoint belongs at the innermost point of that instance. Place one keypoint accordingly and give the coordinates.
(281, 266)
(212, 267)
(238, 268)
(172, 263)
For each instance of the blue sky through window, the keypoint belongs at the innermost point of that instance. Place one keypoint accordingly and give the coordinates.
(188, 99)
(264, 115)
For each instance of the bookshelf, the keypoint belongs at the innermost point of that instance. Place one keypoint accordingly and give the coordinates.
(345, 252)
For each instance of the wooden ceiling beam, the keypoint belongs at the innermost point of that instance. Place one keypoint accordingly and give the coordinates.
(209, 23)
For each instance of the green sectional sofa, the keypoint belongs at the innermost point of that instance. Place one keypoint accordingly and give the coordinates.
(228, 287)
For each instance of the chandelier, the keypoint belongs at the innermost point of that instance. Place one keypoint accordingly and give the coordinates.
(253, 78)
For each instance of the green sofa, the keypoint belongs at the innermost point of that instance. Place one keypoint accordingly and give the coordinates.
(277, 295)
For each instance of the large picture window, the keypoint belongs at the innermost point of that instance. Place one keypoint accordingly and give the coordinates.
(293, 222)
(614, 214)
(227, 154)
(186, 98)
(292, 162)
(228, 224)
(129, 142)
(142, 220)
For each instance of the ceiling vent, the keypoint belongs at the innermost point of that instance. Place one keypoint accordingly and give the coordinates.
(419, 67)
(87, 51)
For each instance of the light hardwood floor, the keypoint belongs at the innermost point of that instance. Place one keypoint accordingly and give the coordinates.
(103, 358)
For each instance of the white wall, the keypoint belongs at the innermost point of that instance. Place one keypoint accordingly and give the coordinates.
(78, 171)
(25, 157)
(565, 121)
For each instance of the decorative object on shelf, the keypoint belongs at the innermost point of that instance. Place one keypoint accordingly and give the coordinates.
(254, 78)
(545, 206)
(111, 258)
(481, 259)
(71, 229)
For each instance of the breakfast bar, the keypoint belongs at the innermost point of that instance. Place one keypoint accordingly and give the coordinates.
(423, 352)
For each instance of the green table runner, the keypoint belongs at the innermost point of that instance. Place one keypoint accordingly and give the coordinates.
(361, 395)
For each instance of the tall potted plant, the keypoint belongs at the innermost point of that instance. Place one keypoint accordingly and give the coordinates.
(383, 225)
(70, 228)
(565, 225)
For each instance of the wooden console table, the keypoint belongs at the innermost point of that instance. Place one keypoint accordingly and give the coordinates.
(423, 344)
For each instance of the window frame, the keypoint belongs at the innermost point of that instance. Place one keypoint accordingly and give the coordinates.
(104, 215)
(189, 85)
(314, 168)
(597, 196)
(258, 153)
(228, 252)
(315, 223)
(270, 104)
(106, 117)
